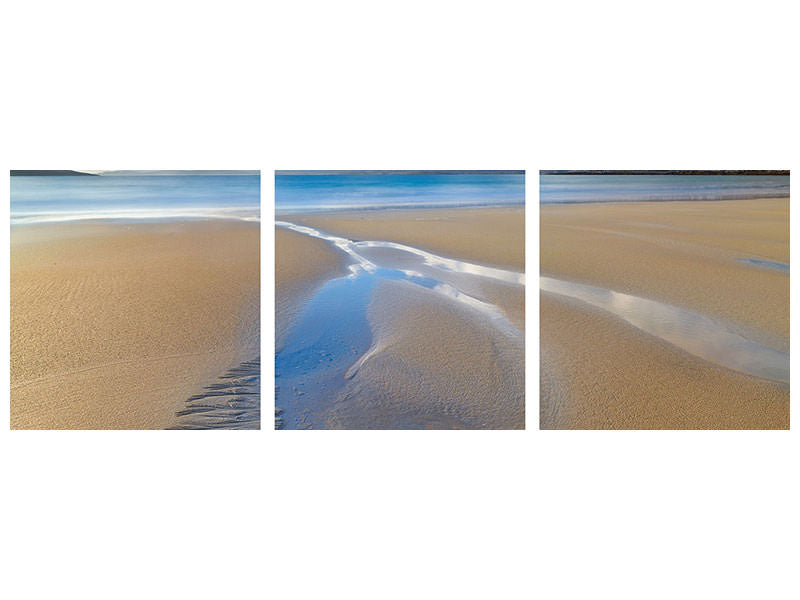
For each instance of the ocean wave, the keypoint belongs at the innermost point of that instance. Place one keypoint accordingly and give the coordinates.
(146, 214)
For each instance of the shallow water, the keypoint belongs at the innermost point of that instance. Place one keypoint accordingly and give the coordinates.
(694, 333)
(332, 336)
(767, 264)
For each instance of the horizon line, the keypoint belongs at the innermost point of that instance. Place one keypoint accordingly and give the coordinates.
(754, 172)
(401, 172)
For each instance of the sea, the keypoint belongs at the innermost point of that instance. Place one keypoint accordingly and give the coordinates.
(41, 199)
(310, 191)
(554, 189)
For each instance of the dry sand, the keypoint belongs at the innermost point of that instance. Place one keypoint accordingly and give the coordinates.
(114, 326)
(598, 372)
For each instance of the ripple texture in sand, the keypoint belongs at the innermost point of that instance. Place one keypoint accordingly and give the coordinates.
(232, 402)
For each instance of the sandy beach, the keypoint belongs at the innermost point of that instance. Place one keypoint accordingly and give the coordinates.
(600, 372)
(430, 362)
(492, 236)
(488, 236)
(114, 326)
(432, 366)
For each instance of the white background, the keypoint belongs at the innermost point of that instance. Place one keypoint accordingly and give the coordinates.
(411, 85)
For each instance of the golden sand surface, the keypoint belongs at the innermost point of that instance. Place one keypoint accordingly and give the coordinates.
(599, 372)
(681, 253)
(433, 365)
(114, 326)
(302, 264)
(488, 236)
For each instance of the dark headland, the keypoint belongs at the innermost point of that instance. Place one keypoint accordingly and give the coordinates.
(773, 173)
(35, 173)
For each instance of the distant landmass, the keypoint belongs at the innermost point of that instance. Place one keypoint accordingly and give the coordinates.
(667, 172)
(43, 173)
(17, 172)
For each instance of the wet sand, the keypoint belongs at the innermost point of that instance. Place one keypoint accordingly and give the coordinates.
(302, 265)
(599, 373)
(681, 253)
(686, 254)
(434, 366)
(489, 236)
(432, 363)
(115, 326)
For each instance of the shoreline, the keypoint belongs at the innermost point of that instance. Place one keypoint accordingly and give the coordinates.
(354, 208)
(143, 217)
(748, 197)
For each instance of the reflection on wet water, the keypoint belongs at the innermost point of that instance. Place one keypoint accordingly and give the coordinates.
(766, 263)
(332, 337)
(696, 334)
(449, 264)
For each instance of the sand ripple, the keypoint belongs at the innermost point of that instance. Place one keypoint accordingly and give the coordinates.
(231, 403)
